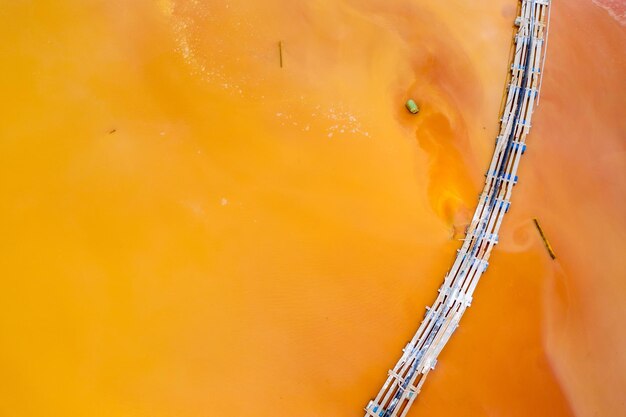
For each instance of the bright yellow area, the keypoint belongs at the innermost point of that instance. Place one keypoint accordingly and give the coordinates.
(190, 230)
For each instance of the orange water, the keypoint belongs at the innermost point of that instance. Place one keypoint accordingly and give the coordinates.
(190, 230)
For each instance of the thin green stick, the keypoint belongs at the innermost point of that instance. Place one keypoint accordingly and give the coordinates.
(545, 240)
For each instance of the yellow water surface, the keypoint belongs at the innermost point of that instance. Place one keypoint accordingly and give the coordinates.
(190, 230)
